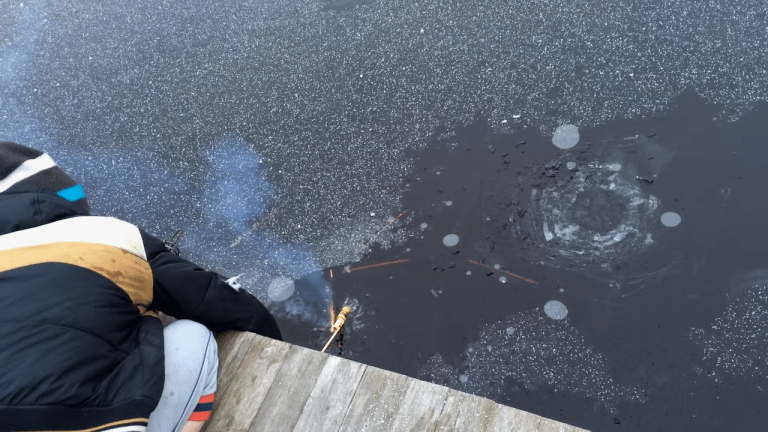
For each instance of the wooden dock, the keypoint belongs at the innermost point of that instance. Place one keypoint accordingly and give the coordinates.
(267, 385)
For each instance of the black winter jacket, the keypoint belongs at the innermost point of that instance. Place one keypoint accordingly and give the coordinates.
(79, 347)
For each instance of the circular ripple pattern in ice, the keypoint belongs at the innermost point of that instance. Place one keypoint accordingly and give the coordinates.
(595, 217)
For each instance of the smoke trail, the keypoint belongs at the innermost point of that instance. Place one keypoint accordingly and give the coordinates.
(236, 196)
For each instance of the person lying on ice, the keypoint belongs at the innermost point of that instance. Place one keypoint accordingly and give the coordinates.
(81, 346)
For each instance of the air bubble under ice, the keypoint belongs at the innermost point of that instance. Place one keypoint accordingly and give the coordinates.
(565, 136)
(451, 240)
(280, 289)
(555, 310)
(671, 219)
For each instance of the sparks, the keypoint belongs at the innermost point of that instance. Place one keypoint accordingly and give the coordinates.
(511, 274)
(377, 265)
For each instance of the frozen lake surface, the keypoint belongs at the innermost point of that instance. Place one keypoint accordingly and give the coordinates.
(555, 205)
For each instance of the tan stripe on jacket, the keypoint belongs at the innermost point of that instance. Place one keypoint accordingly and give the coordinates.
(126, 270)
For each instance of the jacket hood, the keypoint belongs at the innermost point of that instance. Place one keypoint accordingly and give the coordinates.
(34, 191)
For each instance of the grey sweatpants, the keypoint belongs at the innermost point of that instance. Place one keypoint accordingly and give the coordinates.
(191, 365)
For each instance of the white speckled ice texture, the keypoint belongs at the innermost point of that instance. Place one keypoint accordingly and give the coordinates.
(735, 342)
(534, 351)
(314, 102)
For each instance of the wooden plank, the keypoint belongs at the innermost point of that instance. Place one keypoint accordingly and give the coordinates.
(329, 401)
(476, 414)
(290, 390)
(266, 385)
(548, 425)
(376, 401)
(421, 407)
(465, 412)
(233, 346)
(506, 419)
(250, 383)
(450, 412)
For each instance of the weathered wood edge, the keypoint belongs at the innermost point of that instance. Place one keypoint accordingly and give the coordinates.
(330, 398)
(247, 391)
(228, 342)
(376, 401)
(420, 411)
(290, 390)
(412, 414)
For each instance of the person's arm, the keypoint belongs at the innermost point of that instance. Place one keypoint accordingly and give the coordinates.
(186, 291)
